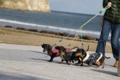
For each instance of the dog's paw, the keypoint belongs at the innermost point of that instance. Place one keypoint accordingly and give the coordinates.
(60, 62)
(79, 64)
(68, 63)
(49, 61)
(90, 65)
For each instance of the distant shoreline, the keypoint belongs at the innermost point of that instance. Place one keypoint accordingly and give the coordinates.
(55, 21)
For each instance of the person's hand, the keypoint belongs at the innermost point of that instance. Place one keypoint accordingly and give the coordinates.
(109, 4)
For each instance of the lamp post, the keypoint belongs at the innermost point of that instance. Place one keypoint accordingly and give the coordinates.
(118, 74)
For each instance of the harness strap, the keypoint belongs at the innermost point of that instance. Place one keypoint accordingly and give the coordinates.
(85, 57)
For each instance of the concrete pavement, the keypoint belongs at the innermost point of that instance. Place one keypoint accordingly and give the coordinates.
(22, 62)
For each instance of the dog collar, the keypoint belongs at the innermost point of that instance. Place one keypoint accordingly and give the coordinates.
(82, 56)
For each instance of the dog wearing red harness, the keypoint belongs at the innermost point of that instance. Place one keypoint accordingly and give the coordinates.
(52, 51)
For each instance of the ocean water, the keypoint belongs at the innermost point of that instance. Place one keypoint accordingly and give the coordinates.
(54, 21)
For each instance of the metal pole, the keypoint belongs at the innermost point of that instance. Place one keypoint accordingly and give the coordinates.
(118, 74)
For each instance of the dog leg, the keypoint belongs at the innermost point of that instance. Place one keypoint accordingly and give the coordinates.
(67, 62)
(79, 64)
(52, 57)
(61, 61)
(89, 64)
(97, 63)
(78, 61)
(103, 65)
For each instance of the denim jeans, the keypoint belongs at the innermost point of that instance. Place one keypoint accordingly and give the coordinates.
(115, 35)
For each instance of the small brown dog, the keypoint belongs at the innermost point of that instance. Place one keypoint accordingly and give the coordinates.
(101, 62)
(52, 52)
(93, 59)
(83, 56)
(68, 55)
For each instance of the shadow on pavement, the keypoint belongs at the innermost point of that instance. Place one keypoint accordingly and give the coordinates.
(106, 72)
(45, 53)
(14, 76)
(46, 60)
(109, 65)
(39, 59)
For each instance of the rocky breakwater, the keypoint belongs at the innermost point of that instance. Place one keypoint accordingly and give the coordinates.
(36, 31)
(26, 5)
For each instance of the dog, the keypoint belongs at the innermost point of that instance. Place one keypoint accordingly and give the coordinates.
(68, 55)
(99, 62)
(93, 59)
(51, 50)
(64, 54)
(82, 55)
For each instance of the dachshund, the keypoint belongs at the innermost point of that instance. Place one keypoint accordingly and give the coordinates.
(82, 54)
(98, 60)
(93, 59)
(68, 55)
(51, 50)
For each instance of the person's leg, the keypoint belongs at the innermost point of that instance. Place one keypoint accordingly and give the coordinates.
(103, 37)
(115, 35)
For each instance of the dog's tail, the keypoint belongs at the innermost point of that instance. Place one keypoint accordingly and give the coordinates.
(87, 48)
(74, 48)
(107, 57)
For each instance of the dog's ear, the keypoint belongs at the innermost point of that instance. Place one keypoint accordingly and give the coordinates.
(57, 47)
(78, 50)
(87, 48)
(42, 45)
(49, 46)
(63, 49)
(83, 51)
(106, 57)
(82, 45)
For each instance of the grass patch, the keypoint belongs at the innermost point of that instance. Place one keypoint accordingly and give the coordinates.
(1, 2)
(22, 38)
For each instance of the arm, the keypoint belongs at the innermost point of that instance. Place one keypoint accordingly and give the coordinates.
(105, 2)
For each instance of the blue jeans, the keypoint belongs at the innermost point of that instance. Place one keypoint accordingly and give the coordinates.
(115, 35)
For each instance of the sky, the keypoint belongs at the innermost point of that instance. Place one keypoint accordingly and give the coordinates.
(76, 6)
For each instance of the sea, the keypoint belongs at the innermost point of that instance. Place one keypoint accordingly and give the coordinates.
(55, 21)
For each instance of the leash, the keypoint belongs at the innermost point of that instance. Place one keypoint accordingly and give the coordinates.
(80, 28)
(65, 37)
(87, 23)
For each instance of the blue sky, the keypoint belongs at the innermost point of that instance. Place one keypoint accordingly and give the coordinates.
(76, 6)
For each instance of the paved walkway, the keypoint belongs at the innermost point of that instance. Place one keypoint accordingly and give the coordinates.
(20, 62)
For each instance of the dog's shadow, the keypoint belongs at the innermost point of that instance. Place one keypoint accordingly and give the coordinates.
(54, 61)
(46, 60)
(106, 72)
(45, 53)
(39, 59)
(109, 65)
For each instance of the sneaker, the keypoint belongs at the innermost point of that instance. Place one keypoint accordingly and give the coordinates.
(116, 64)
